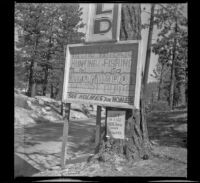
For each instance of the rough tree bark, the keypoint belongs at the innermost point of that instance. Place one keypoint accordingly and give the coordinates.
(46, 70)
(172, 77)
(33, 67)
(51, 92)
(136, 145)
(30, 83)
(130, 28)
(160, 82)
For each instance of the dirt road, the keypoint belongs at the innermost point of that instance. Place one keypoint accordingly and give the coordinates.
(40, 145)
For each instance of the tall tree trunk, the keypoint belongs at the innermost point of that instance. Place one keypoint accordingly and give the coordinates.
(45, 80)
(160, 82)
(30, 79)
(46, 73)
(60, 92)
(144, 83)
(59, 96)
(33, 83)
(56, 91)
(172, 78)
(148, 54)
(52, 93)
(136, 145)
(185, 84)
(33, 67)
(152, 98)
(186, 92)
(186, 95)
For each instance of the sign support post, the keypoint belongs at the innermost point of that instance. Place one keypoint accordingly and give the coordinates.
(98, 127)
(65, 134)
(106, 123)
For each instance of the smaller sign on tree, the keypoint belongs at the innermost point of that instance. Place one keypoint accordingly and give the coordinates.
(116, 124)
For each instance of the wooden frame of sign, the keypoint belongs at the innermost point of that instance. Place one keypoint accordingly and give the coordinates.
(104, 74)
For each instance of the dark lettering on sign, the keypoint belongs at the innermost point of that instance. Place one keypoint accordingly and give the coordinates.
(104, 74)
(122, 99)
(99, 9)
(97, 26)
(118, 99)
(72, 95)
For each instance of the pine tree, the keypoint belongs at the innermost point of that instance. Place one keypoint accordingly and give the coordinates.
(45, 30)
(68, 33)
(28, 20)
(172, 23)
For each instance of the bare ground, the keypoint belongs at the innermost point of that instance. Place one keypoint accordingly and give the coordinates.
(40, 146)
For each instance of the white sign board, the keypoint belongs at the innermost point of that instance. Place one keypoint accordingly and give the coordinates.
(116, 124)
(104, 74)
(103, 22)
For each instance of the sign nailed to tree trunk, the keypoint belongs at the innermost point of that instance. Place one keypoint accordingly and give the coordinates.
(108, 74)
(103, 22)
(102, 74)
(116, 124)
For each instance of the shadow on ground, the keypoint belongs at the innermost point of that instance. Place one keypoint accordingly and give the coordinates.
(22, 168)
(79, 133)
(162, 128)
(44, 131)
(41, 144)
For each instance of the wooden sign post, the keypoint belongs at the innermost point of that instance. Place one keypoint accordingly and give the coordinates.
(98, 127)
(66, 113)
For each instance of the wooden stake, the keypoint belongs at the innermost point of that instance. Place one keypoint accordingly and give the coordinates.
(65, 134)
(98, 126)
(106, 124)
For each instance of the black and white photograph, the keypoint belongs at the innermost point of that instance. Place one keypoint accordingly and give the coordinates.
(100, 90)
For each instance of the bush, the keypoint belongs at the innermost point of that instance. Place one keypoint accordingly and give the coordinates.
(159, 106)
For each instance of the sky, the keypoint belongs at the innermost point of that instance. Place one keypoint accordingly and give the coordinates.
(145, 19)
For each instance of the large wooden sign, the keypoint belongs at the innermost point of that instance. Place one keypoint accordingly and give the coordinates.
(103, 22)
(115, 124)
(103, 74)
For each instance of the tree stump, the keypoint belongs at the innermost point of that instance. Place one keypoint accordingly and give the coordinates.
(136, 144)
